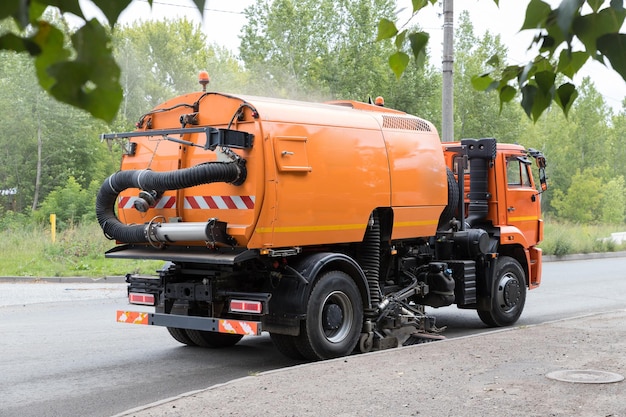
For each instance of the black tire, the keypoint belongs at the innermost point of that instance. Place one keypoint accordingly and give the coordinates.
(509, 294)
(286, 345)
(453, 201)
(213, 339)
(334, 318)
(181, 336)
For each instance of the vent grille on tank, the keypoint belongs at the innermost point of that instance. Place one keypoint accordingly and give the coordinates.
(396, 122)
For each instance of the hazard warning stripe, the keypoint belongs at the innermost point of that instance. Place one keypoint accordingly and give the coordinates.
(224, 202)
(246, 328)
(211, 324)
(132, 317)
(166, 202)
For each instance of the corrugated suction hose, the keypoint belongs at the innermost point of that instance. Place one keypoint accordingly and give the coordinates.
(229, 172)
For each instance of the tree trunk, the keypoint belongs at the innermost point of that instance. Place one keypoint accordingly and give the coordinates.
(38, 175)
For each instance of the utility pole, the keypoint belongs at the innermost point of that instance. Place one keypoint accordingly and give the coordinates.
(447, 102)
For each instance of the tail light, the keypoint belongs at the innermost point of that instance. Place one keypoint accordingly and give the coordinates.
(141, 298)
(246, 306)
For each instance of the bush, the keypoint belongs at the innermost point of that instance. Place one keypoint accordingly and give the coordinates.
(71, 203)
(566, 238)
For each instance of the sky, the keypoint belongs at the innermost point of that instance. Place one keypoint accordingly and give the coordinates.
(223, 21)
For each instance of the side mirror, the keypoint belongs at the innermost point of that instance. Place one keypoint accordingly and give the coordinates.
(541, 164)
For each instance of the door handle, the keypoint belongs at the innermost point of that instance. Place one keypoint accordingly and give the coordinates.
(511, 208)
(285, 153)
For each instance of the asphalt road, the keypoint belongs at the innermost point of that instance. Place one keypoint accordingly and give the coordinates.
(63, 354)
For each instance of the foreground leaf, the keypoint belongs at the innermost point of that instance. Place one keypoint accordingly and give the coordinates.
(419, 40)
(386, 29)
(113, 8)
(537, 13)
(565, 96)
(482, 82)
(91, 81)
(571, 62)
(613, 47)
(398, 63)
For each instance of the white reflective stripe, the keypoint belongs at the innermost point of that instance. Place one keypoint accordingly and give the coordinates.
(219, 202)
(165, 201)
(129, 202)
(241, 205)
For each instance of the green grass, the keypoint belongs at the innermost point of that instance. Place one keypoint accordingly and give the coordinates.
(569, 238)
(28, 250)
(78, 251)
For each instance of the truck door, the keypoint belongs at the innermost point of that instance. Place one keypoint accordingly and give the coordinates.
(523, 208)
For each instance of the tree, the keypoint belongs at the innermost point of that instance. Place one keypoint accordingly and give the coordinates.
(617, 143)
(161, 59)
(80, 70)
(45, 141)
(559, 31)
(325, 50)
(477, 114)
(581, 202)
(613, 204)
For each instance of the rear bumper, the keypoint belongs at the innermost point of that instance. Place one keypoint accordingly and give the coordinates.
(210, 324)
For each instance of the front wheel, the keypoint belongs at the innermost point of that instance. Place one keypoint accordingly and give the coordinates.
(508, 294)
(334, 318)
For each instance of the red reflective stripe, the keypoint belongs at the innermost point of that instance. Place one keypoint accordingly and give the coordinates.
(219, 202)
(229, 202)
(210, 202)
(247, 201)
(123, 201)
(170, 203)
(192, 202)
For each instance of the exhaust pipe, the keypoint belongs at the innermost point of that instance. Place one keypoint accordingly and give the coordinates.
(480, 152)
(228, 172)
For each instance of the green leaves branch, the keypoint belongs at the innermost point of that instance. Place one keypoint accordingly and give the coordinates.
(417, 40)
(78, 68)
(566, 39)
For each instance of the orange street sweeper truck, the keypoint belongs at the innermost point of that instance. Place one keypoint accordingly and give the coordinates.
(331, 226)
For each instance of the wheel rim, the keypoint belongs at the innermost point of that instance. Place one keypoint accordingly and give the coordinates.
(508, 293)
(337, 317)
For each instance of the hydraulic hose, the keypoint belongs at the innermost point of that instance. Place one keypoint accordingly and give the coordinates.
(229, 172)
(370, 259)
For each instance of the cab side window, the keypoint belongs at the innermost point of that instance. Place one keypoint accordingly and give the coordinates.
(517, 173)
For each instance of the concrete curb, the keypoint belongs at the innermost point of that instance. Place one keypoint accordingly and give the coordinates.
(583, 256)
(95, 280)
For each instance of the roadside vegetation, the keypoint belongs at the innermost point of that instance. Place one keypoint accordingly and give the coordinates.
(52, 161)
(567, 238)
(27, 250)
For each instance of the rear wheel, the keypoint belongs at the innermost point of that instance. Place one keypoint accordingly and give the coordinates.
(286, 345)
(334, 318)
(181, 336)
(453, 201)
(508, 295)
(213, 339)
